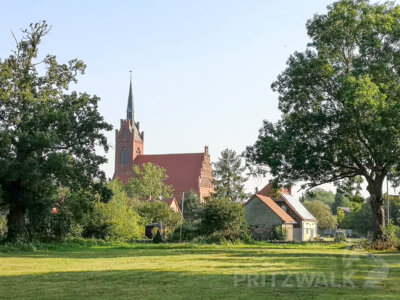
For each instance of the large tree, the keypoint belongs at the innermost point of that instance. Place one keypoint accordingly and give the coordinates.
(340, 100)
(228, 177)
(322, 213)
(47, 134)
(148, 181)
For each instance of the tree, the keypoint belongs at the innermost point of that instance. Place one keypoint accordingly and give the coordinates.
(47, 134)
(322, 213)
(340, 103)
(342, 201)
(326, 197)
(360, 220)
(157, 212)
(192, 207)
(351, 189)
(224, 218)
(394, 208)
(228, 178)
(148, 181)
(340, 217)
(116, 219)
(67, 214)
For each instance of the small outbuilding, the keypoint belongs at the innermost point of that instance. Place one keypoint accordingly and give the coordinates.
(305, 228)
(263, 215)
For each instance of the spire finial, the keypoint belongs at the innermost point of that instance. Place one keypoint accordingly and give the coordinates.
(130, 111)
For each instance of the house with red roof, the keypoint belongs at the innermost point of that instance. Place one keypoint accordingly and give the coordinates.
(263, 215)
(305, 227)
(186, 171)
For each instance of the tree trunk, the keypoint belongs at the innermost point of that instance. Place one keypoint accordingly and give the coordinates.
(16, 222)
(378, 210)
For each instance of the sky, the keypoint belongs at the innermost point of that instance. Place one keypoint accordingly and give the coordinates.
(202, 70)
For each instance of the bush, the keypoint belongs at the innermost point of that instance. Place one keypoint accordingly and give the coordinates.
(340, 237)
(223, 219)
(192, 207)
(157, 237)
(389, 240)
(279, 234)
(189, 232)
(157, 212)
(116, 219)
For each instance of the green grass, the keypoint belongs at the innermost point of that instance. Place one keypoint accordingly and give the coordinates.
(185, 271)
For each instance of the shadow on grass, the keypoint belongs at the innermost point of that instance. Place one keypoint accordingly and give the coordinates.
(203, 251)
(146, 284)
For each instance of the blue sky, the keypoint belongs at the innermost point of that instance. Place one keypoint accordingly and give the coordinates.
(202, 70)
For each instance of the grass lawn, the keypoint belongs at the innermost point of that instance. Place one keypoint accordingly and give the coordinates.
(168, 271)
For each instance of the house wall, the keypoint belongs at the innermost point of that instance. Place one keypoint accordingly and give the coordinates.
(309, 230)
(261, 219)
(289, 230)
(174, 206)
(306, 232)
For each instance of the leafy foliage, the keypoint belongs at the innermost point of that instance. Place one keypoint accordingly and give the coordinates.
(157, 237)
(3, 223)
(228, 177)
(342, 201)
(340, 217)
(279, 234)
(157, 212)
(189, 232)
(360, 220)
(47, 136)
(326, 197)
(192, 207)
(148, 181)
(222, 218)
(394, 208)
(64, 215)
(322, 213)
(115, 219)
(340, 103)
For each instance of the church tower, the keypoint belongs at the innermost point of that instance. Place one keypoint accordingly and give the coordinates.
(129, 141)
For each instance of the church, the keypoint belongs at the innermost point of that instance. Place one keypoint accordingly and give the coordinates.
(186, 171)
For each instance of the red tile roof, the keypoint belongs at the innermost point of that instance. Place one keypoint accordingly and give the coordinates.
(183, 170)
(268, 191)
(274, 207)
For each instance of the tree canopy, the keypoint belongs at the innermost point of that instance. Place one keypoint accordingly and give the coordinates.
(319, 194)
(47, 134)
(340, 103)
(228, 177)
(322, 213)
(148, 181)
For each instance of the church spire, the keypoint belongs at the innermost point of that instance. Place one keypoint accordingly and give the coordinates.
(130, 111)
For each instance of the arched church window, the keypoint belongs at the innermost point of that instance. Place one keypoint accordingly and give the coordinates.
(138, 151)
(125, 133)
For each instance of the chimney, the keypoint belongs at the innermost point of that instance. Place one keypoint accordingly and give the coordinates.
(206, 150)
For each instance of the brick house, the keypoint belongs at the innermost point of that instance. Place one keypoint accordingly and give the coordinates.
(186, 171)
(305, 228)
(263, 215)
